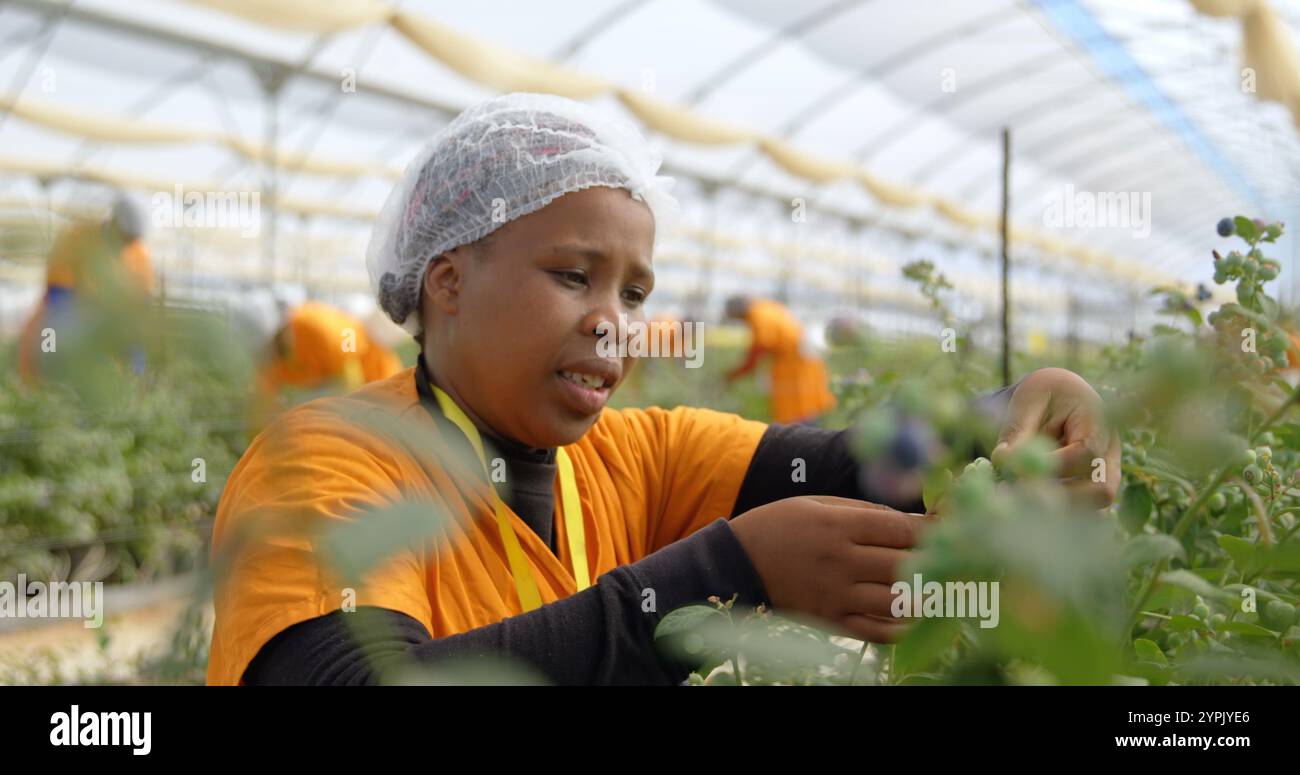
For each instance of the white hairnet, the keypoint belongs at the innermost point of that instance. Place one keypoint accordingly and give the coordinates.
(127, 218)
(497, 161)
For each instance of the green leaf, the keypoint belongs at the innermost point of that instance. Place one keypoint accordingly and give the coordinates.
(1269, 306)
(1155, 673)
(1234, 591)
(684, 620)
(1285, 557)
(1193, 583)
(1135, 506)
(1148, 651)
(689, 635)
(922, 646)
(1246, 628)
(1148, 548)
(1230, 521)
(1184, 623)
(936, 486)
(1245, 554)
(1244, 228)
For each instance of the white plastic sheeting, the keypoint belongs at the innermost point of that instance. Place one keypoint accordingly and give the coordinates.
(1133, 104)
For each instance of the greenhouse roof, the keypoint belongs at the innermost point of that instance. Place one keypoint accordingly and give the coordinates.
(890, 113)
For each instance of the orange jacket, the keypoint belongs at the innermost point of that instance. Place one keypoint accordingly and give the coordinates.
(646, 478)
(327, 349)
(82, 251)
(78, 257)
(326, 344)
(799, 382)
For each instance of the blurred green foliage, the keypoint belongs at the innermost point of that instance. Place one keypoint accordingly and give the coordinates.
(1193, 576)
(110, 475)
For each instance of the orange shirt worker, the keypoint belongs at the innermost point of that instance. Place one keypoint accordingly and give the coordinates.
(84, 258)
(526, 223)
(319, 348)
(799, 381)
(318, 345)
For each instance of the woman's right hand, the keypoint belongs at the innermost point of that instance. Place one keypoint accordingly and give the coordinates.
(832, 558)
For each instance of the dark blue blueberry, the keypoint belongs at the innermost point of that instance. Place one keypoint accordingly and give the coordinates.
(910, 447)
(1225, 227)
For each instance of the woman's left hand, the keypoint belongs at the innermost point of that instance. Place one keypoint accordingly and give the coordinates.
(1059, 404)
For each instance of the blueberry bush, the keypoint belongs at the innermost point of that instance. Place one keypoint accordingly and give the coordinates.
(1192, 576)
(110, 475)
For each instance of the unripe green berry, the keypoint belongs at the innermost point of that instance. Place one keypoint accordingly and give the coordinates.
(1277, 615)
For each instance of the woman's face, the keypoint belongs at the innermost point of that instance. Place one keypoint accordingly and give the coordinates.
(511, 323)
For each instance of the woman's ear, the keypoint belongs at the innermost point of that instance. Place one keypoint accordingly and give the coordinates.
(442, 281)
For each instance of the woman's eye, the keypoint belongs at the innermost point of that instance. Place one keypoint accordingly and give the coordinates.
(572, 277)
(634, 296)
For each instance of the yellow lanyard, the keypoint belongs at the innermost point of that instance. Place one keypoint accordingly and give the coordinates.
(525, 584)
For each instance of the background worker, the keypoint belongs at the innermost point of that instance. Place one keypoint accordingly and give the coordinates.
(318, 350)
(799, 381)
(92, 263)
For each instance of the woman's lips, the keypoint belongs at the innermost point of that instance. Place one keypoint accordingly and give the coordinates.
(584, 399)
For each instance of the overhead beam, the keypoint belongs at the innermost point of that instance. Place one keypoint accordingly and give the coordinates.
(190, 44)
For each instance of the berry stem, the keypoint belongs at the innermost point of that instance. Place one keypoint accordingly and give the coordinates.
(1257, 506)
(1179, 530)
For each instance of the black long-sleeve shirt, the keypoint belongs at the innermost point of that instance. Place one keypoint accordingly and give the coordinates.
(601, 635)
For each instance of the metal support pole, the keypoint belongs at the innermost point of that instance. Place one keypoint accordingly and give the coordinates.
(272, 79)
(1006, 259)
